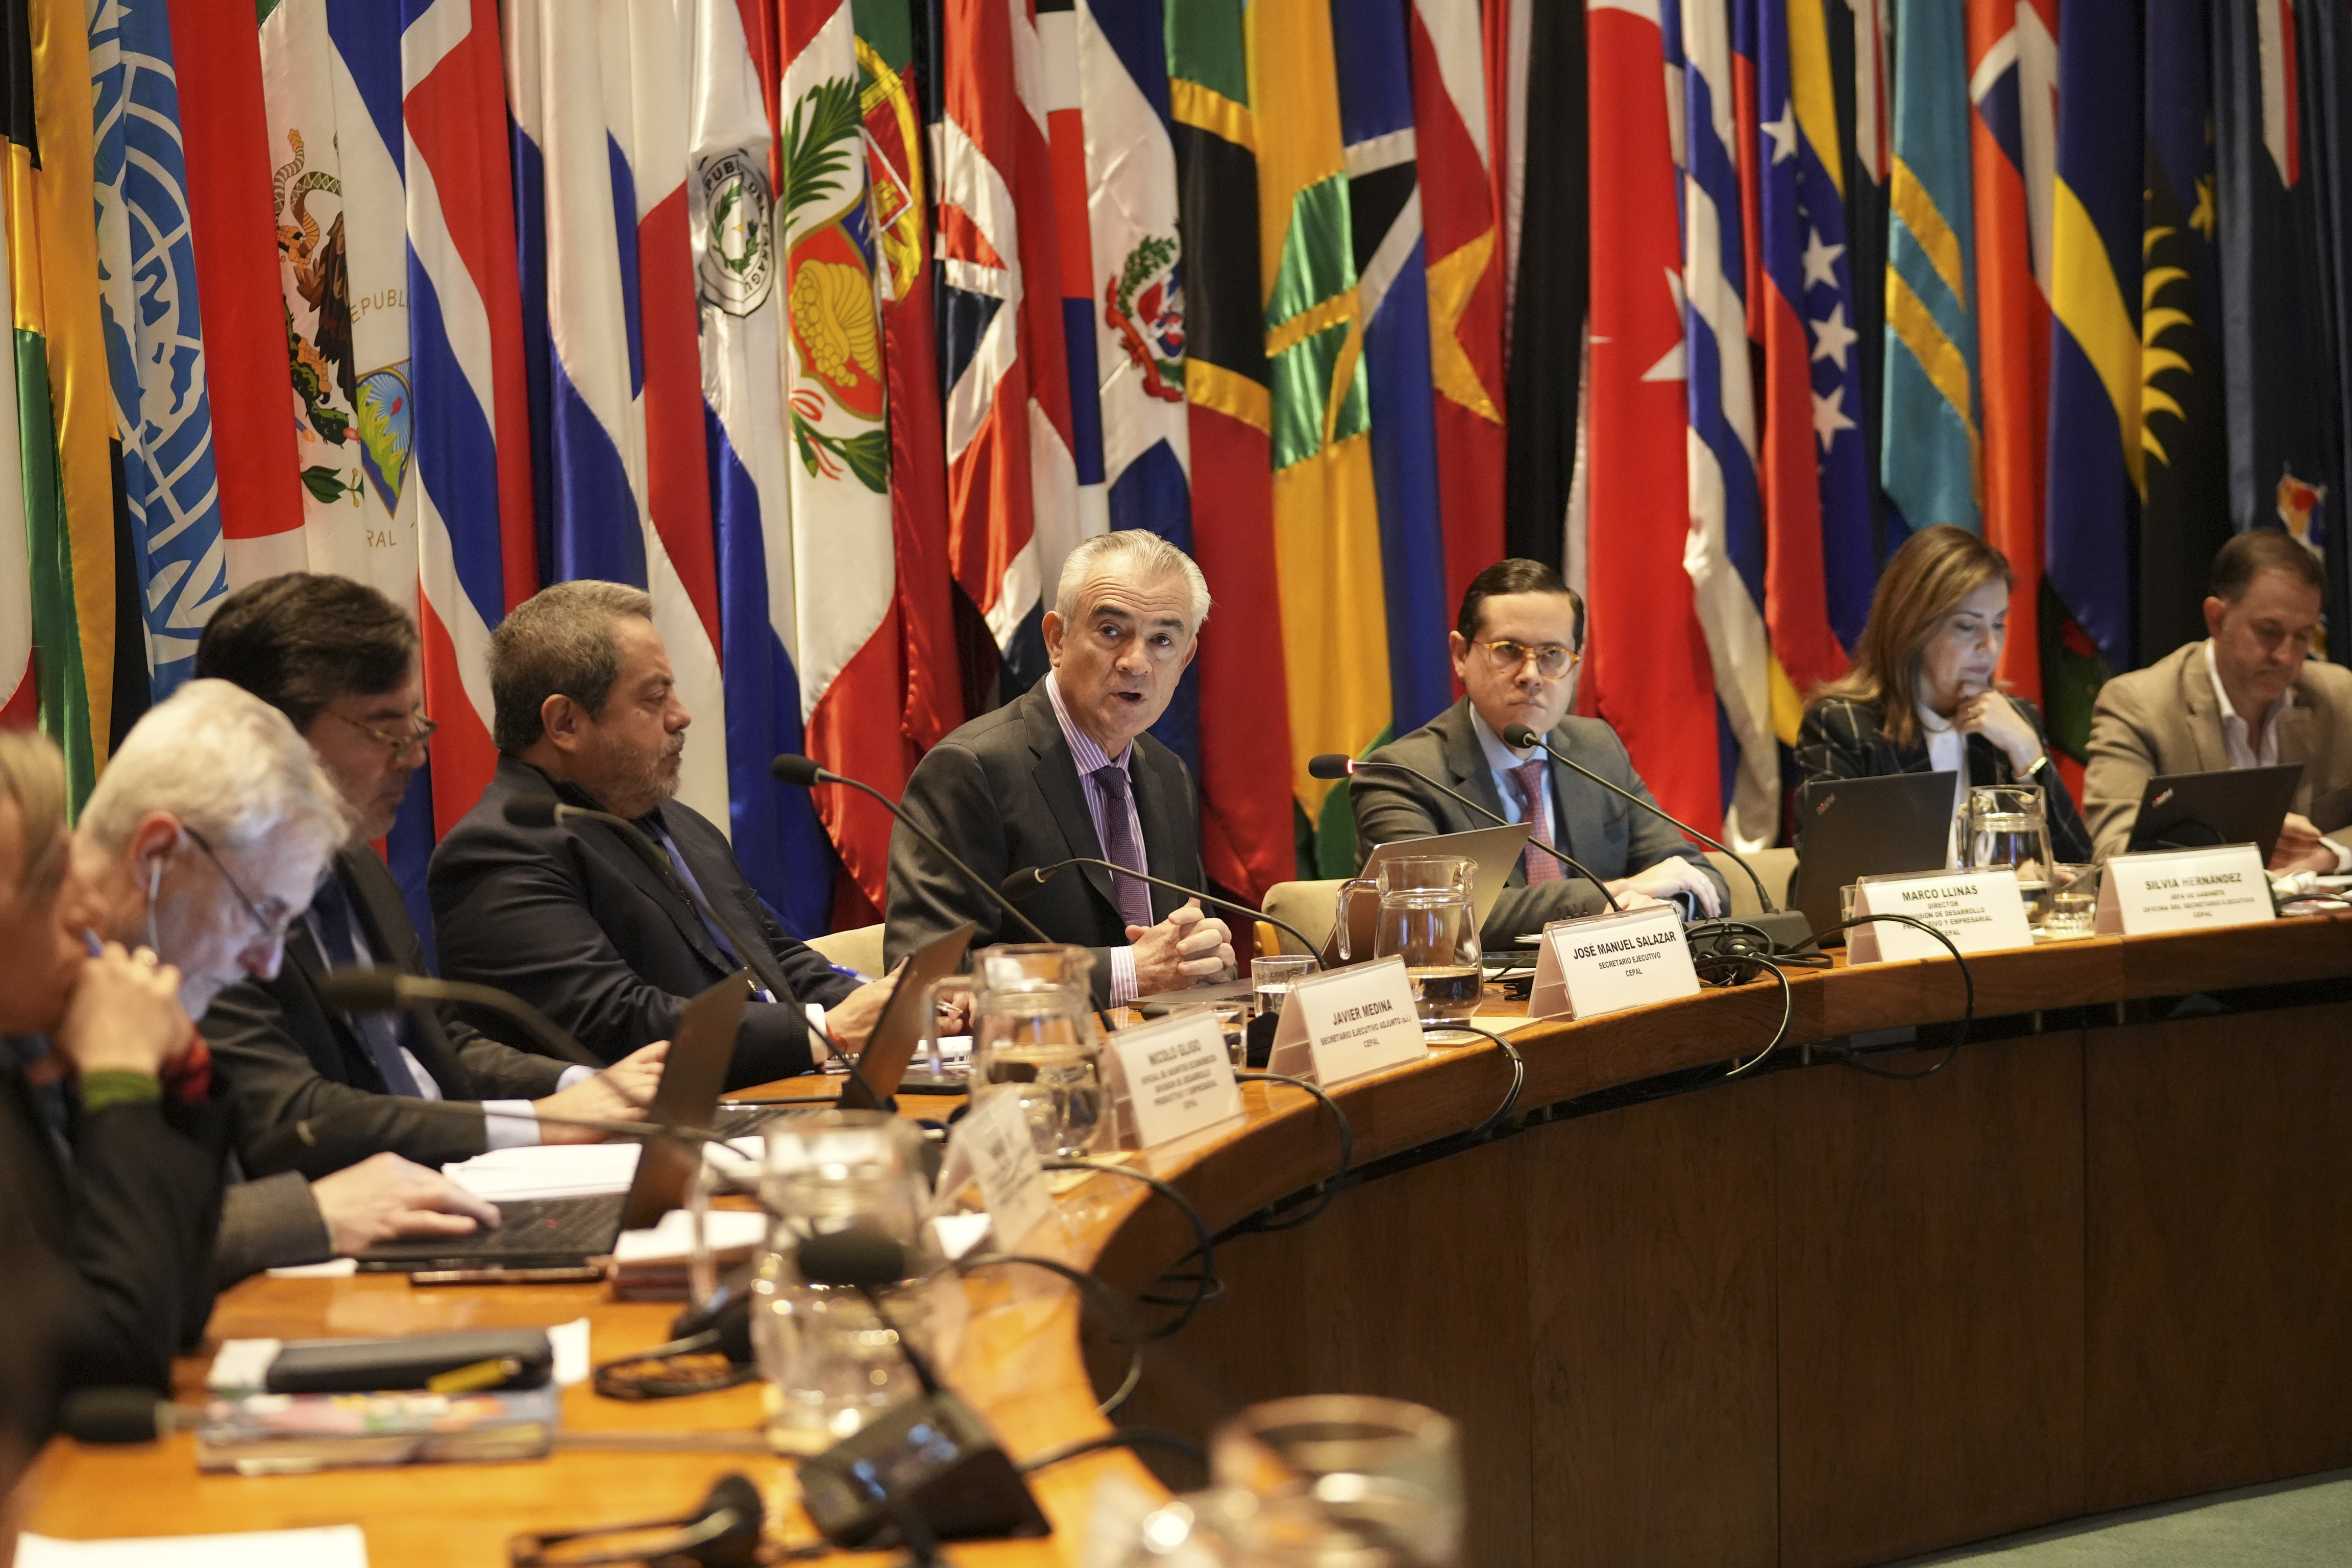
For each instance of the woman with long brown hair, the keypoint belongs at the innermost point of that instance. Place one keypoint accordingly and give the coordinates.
(1920, 697)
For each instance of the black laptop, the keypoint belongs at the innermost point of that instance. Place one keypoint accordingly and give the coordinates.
(2237, 806)
(1853, 828)
(562, 1233)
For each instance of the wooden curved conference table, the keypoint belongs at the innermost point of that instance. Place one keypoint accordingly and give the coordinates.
(1807, 1317)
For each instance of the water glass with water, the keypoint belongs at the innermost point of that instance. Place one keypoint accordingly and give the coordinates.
(2008, 830)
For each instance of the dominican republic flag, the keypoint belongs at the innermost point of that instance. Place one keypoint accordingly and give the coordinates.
(1725, 552)
(1452, 146)
(1393, 297)
(1647, 657)
(154, 334)
(598, 101)
(2013, 87)
(1246, 758)
(2095, 369)
(1812, 470)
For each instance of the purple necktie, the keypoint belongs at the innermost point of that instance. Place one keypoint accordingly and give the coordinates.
(1121, 849)
(1540, 867)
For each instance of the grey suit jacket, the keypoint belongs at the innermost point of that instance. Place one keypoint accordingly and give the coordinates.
(1611, 835)
(2166, 718)
(1002, 792)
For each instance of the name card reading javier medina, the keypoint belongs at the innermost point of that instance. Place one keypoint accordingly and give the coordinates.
(1347, 1023)
(1169, 1077)
(2185, 889)
(1608, 962)
(1979, 911)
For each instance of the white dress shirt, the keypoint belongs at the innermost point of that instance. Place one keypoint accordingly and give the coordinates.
(1090, 756)
(1501, 759)
(1947, 752)
(2244, 750)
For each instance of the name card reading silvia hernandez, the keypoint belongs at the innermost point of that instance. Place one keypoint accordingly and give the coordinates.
(2185, 889)
(1168, 1078)
(1347, 1023)
(1979, 911)
(1608, 962)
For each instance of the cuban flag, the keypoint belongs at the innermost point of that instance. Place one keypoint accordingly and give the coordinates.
(597, 94)
(154, 333)
(469, 412)
(1725, 551)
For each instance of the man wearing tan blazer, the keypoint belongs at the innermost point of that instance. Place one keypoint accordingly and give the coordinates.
(2243, 698)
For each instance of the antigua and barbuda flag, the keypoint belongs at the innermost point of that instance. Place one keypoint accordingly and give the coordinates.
(1646, 657)
(154, 334)
(2013, 87)
(1247, 802)
(1453, 147)
(2095, 369)
(1725, 551)
(331, 81)
(1394, 295)
(598, 99)
(1928, 445)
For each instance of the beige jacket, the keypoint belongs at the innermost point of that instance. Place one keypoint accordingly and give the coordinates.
(2167, 718)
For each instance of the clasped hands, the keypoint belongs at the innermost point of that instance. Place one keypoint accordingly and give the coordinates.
(1187, 948)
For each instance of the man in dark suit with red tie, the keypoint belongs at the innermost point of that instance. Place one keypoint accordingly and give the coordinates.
(1066, 769)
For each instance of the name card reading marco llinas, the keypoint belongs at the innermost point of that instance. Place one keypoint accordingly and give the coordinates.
(1979, 911)
(1168, 1078)
(1347, 1023)
(1608, 962)
(2185, 889)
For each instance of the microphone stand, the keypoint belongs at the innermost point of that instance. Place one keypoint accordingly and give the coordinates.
(1029, 879)
(388, 990)
(1355, 765)
(795, 769)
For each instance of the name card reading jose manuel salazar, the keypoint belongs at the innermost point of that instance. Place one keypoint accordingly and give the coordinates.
(1608, 962)
(2185, 889)
(1169, 1077)
(1347, 1023)
(1979, 911)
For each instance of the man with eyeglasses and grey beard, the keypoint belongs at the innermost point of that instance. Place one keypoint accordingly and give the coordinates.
(1516, 648)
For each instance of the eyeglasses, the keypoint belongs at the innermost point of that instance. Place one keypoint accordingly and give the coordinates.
(1552, 661)
(272, 930)
(399, 744)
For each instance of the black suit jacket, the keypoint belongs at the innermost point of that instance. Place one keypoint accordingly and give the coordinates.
(283, 1056)
(130, 1206)
(1841, 739)
(577, 921)
(1611, 835)
(1002, 792)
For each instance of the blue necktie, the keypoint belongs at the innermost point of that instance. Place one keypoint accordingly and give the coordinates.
(699, 898)
(331, 911)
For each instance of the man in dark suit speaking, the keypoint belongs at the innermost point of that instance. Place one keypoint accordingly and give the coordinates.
(593, 927)
(1066, 769)
(1515, 645)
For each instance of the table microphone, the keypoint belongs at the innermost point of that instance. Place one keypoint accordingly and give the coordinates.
(388, 990)
(1339, 765)
(1029, 879)
(1786, 928)
(792, 768)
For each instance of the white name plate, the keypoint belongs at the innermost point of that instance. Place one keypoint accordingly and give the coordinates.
(1608, 962)
(991, 1146)
(1979, 911)
(2185, 889)
(1347, 1023)
(1169, 1079)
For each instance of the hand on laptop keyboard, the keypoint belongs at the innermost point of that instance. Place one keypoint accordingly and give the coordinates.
(385, 1197)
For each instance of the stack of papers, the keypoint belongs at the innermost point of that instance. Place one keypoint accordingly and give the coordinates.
(336, 1546)
(564, 1170)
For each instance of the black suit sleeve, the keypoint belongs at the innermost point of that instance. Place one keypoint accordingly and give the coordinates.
(149, 1183)
(1830, 745)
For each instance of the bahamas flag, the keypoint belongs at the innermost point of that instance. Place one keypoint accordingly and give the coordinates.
(1327, 523)
(2095, 369)
(1929, 441)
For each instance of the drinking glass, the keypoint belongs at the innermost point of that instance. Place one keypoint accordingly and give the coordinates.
(1345, 1478)
(1233, 1022)
(2074, 902)
(2006, 827)
(1271, 978)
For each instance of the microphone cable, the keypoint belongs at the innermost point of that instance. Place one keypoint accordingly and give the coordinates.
(1119, 1437)
(1265, 1221)
(1486, 1130)
(1206, 1287)
(1120, 1326)
(1967, 1008)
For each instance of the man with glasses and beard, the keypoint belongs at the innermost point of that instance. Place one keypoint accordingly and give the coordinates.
(1516, 648)
(339, 661)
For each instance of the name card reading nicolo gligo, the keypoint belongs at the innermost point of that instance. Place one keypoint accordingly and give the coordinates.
(1608, 962)
(2185, 889)
(1169, 1079)
(1347, 1023)
(1979, 911)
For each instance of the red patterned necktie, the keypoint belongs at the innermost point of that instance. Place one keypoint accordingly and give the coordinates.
(1540, 867)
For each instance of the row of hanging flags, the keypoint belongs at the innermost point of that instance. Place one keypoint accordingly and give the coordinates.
(835, 324)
